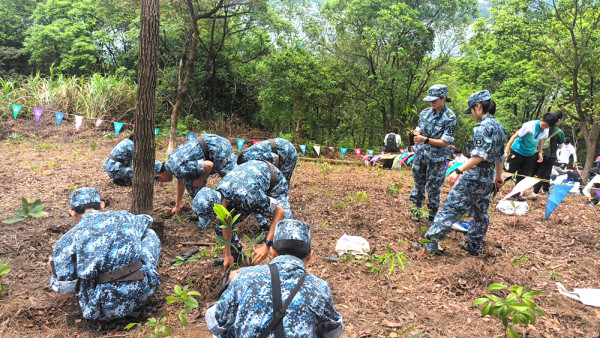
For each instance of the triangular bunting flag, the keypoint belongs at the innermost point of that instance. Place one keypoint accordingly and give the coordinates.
(331, 149)
(317, 150)
(78, 121)
(191, 136)
(133, 126)
(255, 142)
(343, 151)
(597, 191)
(240, 143)
(99, 122)
(357, 152)
(59, 117)
(16, 109)
(118, 126)
(370, 152)
(525, 184)
(557, 195)
(37, 112)
(303, 148)
(156, 130)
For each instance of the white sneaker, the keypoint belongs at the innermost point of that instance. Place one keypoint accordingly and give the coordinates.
(534, 196)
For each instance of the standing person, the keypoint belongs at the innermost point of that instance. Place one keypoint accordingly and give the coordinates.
(250, 304)
(522, 146)
(109, 259)
(564, 154)
(555, 140)
(392, 141)
(472, 192)
(278, 151)
(432, 137)
(252, 187)
(193, 161)
(118, 164)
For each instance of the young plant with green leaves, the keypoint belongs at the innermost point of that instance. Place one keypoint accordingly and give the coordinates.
(183, 296)
(227, 222)
(379, 263)
(394, 188)
(4, 270)
(27, 212)
(160, 330)
(517, 308)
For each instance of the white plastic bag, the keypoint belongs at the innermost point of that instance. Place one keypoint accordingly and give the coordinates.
(513, 207)
(353, 244)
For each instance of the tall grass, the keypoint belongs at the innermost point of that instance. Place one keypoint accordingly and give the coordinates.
(98, 96)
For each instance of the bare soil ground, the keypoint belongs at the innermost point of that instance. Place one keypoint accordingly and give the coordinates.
(432, 296)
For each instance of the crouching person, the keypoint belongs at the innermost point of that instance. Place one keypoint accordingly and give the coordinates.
(279, 298)
(108, 259)
(118, 164)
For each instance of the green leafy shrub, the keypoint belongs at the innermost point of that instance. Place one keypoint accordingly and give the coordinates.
(517, 308)
(4, 270)
(27, 212)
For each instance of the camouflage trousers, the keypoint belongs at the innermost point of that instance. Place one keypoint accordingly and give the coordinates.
(428, 176)
(466, 197)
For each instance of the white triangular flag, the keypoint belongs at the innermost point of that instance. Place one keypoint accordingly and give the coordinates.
(99, 122)
(525, 184)
(78, 121)
(317, 150)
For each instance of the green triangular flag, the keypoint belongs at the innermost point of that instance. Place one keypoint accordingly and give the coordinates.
(16, 109)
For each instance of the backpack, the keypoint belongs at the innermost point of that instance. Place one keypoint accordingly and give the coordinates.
(546, 145)
(390, 144)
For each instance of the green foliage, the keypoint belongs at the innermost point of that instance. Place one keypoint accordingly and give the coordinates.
(227, 222)
(517, 308)
(379, 263)
(394, 188)
(519, 260)
(46, 145)
(4, 270)
(27, 212)
(326, 167)
(186, 301)
(160, 330)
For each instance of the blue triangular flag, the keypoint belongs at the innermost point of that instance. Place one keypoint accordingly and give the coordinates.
(59, 117)
(156, 130)
(370, 152)
(343, 150)
(557, 195)
(16, 109)
(240, 143)
(191, 136)
(118, 126)
(303, 148)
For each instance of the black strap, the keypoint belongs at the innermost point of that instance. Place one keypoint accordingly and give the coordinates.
(203, 146)
(485, 164)
(273, 146)
(276, 324)
(116, 159)
(128, 272)
(273, 171)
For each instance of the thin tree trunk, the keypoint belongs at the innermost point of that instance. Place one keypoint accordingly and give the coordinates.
(144, 153)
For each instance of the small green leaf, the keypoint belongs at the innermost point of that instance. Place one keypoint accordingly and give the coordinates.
(130, 325)
(183, 320)
(14, 219)
(512, 333)
(520, 307)
(223, 241)
(177, 289)
(486, 309)
(496, 286)
(494, 298)
(171, 299)
(25, 205)
(479, 301)
(36, 204)
(38, 214)
(191, 303)
(194, 293)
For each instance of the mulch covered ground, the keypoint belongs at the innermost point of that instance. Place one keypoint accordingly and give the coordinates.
(432, 296)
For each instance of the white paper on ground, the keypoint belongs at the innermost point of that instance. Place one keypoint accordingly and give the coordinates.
(354, 244)
(586, 296)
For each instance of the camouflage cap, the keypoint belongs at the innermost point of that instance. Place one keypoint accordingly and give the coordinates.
(292, 229)
(477, 97)
(203, 205)
(435, 92)
(84, 196)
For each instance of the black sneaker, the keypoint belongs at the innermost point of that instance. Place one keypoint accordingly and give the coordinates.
(415, 213)
(517, 198)
(470, 249)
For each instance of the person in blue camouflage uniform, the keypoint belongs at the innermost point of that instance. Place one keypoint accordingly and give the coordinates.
(246, 189)
(102, 242)
(245, 309)
(472, 192)
(118, 165)
(284, 156)
(432, 137)
(191, 166)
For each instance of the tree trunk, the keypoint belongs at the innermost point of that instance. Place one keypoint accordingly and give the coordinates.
(183, 83)
(144, 153)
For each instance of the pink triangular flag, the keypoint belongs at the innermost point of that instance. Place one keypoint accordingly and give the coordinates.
(78, 121)
(357, 152)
